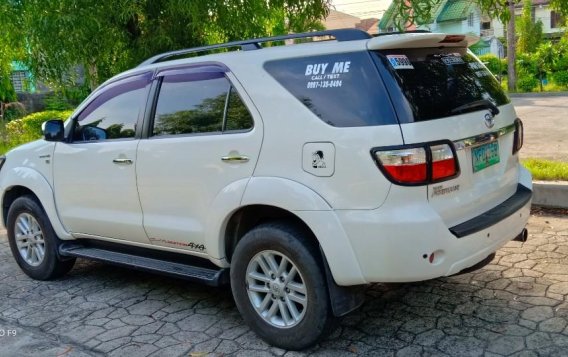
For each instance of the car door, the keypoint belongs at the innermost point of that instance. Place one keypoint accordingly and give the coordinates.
(94, 171)
(201, 139)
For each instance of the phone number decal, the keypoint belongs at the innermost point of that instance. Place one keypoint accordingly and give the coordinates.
(324, 84)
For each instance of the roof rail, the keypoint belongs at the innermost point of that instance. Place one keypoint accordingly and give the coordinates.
(254, 44)
(400, 32)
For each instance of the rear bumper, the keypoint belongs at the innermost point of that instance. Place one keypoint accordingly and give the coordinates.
(394, 243)
(494, 215)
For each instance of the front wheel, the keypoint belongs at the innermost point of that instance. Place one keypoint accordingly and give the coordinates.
(33, 241)
(279, 286)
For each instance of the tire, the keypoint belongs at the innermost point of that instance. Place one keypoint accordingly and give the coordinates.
(281, 240)
(26, 215)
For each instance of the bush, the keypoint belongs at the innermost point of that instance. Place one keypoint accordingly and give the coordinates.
(527, 83)
(28, 128)
(13, 110)
(494, 64)
(560, 78)
(527, 64)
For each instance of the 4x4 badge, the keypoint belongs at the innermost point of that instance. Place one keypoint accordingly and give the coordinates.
(489, 120)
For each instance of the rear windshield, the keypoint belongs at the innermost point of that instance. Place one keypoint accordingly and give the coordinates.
(343, 89)
(438, 82)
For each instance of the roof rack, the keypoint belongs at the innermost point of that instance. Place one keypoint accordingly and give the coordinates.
(254, 44)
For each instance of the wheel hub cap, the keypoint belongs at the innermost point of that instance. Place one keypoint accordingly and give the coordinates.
(276, 289)
(29, 239)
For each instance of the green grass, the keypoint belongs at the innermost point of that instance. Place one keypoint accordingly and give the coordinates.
(547, 170)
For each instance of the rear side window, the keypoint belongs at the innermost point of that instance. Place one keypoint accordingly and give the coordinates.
(435, 82)
(343, 90)
(193, 103)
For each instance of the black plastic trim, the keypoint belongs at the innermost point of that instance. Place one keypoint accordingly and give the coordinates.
(494, 215)
(189, 269)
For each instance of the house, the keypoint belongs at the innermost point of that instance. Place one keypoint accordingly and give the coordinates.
(552, 22)
(340, 20)
(21, 78)
(456, 17)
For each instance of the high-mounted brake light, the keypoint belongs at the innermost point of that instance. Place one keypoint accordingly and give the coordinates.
(453, 39)
(519, 136)
(415, 165)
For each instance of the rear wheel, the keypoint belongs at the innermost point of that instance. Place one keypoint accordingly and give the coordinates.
(33, 242)
(279, 286)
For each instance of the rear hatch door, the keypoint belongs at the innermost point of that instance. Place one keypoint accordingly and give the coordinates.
(441, 91)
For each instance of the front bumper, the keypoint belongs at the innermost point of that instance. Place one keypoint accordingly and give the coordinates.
(403, 242)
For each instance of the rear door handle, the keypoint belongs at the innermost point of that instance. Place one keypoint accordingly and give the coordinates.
(122, 161)
(235, 159)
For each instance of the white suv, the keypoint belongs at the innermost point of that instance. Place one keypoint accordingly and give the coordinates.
(297, 173)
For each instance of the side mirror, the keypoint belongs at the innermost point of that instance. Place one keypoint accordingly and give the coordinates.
(53, 130)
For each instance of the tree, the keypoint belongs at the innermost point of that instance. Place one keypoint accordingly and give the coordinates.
(106, 37)
(530, 33)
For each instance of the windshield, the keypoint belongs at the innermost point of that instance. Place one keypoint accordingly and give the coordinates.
(440, 82)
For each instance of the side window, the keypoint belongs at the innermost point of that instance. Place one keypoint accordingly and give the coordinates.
(193, 103)
(188, 106)
(113, 114)
(238, 117)
(342, 90)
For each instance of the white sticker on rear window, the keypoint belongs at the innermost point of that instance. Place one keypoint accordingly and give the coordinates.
(400, 62)
(453, 59)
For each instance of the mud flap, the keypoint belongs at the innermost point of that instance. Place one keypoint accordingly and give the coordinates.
(344, 299)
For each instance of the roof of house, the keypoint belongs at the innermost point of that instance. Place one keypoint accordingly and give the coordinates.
(455, 10)
(340, 20)
(370, 25)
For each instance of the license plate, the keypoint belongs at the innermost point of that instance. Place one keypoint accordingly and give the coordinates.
(485, 155)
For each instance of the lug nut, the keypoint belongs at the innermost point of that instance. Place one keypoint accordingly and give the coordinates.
(282, 279)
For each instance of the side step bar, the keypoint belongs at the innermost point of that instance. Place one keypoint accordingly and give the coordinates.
(206, 276)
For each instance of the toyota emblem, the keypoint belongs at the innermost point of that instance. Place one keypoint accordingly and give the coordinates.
(489, 120)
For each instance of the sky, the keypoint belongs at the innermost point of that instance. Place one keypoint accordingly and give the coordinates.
(362, 8)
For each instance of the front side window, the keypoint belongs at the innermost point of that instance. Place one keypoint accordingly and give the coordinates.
(113, 114)
(194, 103)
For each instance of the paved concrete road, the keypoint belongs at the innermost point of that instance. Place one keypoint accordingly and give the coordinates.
(517, 306)
(546, 126)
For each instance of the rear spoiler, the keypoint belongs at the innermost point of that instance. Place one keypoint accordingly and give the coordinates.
(420, 40)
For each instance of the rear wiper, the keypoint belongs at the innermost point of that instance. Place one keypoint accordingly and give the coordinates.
(484, 103)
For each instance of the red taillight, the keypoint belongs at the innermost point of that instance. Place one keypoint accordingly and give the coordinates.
(443, 162)
(519, 136)
(421, 165)
(404, 165)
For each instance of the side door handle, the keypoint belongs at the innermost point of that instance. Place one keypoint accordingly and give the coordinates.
(122, 161)
(235, 159)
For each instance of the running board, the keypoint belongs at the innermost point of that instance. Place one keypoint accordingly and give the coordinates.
(211, 277)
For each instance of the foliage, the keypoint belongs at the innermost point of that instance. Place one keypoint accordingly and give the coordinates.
(530, 34)
(66, 98)
(561, 78)
(527, 83)
(527, 65)
(546, 169)
(13, 110)
(106, 37)
(28, 128)
(494, 64)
